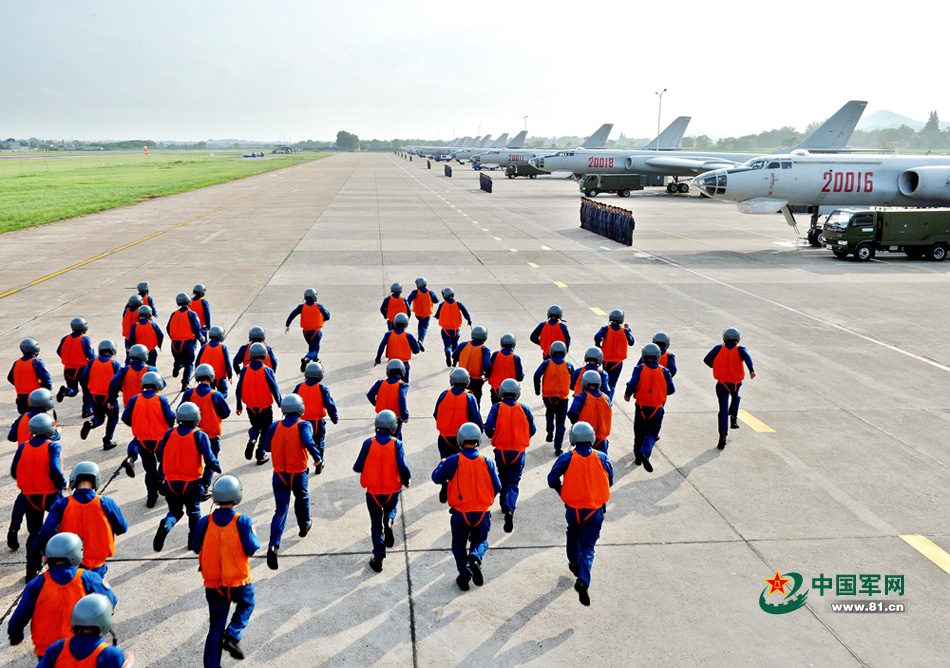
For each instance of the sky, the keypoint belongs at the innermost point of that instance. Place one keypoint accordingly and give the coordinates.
(292, 69)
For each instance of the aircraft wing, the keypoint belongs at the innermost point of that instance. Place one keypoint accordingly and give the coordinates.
(699, 165)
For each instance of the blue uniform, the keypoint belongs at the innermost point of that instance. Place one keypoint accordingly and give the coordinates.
(382, 507)
(285, 482)
(221, 384)
(185, 496)
(648, 419)
(423, 322)
(450, 337)
(613, 368)
(536, 334)
(71, 376)
(413, 346)
(55, 518)
(241, 356)
(311, 336)
(402, 413)
(42, 377)
(728, 391)
(134, 335)
(101, 413)
(183, 352)
(115, 385)
(320, 426)
(447, 444)
(148, 450)
(37, 504)
(510, 462)
(555, 408)
(260, 418)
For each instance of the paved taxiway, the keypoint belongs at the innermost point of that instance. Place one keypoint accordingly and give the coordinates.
(853, 365)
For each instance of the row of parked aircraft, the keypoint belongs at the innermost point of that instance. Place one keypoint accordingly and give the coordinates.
(821, 174)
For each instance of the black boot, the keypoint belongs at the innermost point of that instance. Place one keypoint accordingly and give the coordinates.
(13, 541)
(376, 563)
(582, 594)
(734, 422)
(128, 467)
(722, 441)
(448, 359)
(444, 494)
(475, 566)
(232, 647)
(272, 557)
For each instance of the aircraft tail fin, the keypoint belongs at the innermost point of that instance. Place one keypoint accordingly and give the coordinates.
(466, 141)
(599, 138)
(454, 142)
(671, 136)
(500, 142)
(835, 133)
(485, 140)
(518, 141)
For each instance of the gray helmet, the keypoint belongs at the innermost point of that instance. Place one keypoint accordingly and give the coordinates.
(651, 351)
(421, 283)
(216, 333)
(135, 300)
(138, 352)
(153, 380)
(199, 290)
(661, 339)
(257, 334)
(108, 346)
(142, 287)
(314, 370)
(582, 432)
(87, 469)
(510, 388)
(396, 368)
(42, 424)
(554, 311)
(594, 354)
(41, 398)
(93, 611)
(65, 545)
(616, 316)
(310, 294)
(508, 340)
(227, 489)
(448, 293)
(401, 320)
(590, 378)
(396, 288)
(730, 335)
(469, 432)
(145, 311)
(188, 412)
(29, 346)
(459, 377)
(79, 324)
(387, 421)
(558, 348)
(292, 404)
(479, 333)
(182, 299)
(257, 351)
(204, 372)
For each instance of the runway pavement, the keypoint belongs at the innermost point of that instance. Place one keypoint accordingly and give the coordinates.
(842, 451)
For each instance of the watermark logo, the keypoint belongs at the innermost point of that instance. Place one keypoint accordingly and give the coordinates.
(843, 584)
(778, 584)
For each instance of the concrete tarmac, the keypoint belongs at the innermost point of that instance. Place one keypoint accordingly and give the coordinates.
(842, 451)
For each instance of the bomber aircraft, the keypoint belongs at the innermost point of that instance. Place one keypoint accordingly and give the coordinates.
(504, 157)
(465, 154)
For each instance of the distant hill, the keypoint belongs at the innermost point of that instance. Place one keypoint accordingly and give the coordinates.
(888, 119)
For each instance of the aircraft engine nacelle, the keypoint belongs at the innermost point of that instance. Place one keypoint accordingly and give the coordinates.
(925, 183)
(628, 163)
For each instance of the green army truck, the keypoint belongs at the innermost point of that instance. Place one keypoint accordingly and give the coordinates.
(864, 232)
(513, 170)
(594, 184)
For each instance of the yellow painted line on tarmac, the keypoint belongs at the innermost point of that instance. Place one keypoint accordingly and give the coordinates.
(754, 423)
(464, 214)
(138, 241)
(497, 238)
(532, 264)
(486, 229)
(929, 549)
(597, 311)
(560, 285)
(513, 250)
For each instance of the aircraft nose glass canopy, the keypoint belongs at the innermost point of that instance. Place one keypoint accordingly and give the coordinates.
(713, 183)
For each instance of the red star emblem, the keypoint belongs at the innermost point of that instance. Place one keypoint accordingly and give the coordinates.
(777, 583)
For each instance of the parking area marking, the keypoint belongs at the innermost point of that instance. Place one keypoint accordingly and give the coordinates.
(497, 238)
(513, 250)
(929, 549)
(560, 285)
(754, 423)
(597, 311)
(532, 264)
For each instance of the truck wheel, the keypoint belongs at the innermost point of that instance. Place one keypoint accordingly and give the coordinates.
(683, 188)
(511, 176)
(593, 192)
(840, 254)
(864, 252)
(533, 176)
(624, 193)
(937, 253)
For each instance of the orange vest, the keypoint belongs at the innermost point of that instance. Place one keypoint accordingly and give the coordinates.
(53, 611)
(132, 383)
(512, 431)
(255, 392)
(397, 347)
(33, 475)
(380, 473)
(71, 352)
(214, 355)
(287, 449)
(129, 315)
(24, 376)
(422, 304)
(67, 660)
(556, 380)
(312, 396)
(664, 360)
(578, 386)
(179, 327)
(502, 369)
(181, 461)
(452, 413)
(197, 307)
(143, 333)
(394, 306)
(550, 333)
(651, 387)
(222, 558)
(615, 345)
(311, 318)
(450, 317)
(728, 366)
(100, 375)
(586, 483)
(598, 413)
(148, 418)
(23, 428)
(470, 359)
(210, 421)
(387, 397)
(89, 522)
(471, 489)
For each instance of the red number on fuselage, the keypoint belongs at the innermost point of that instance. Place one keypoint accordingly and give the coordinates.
(848, 182)
(827, 177)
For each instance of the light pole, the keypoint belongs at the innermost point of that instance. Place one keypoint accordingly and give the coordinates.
(659, 111)
(525, 123)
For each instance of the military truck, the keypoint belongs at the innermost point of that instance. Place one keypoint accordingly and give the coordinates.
(864, 232)
(513, 170)
(594, 184)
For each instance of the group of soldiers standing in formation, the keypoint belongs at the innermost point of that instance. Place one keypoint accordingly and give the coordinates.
(69, 606)
(607, 221)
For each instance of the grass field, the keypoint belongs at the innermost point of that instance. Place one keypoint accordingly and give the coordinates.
(37, 190)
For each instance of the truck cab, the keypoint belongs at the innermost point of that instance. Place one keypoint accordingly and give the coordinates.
(865, 232)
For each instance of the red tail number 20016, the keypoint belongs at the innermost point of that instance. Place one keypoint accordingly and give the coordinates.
(849, 182)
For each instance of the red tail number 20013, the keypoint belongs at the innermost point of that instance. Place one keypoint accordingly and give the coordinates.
(849, 182)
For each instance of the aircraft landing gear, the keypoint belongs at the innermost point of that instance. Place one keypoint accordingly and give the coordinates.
(815, 234)
(677, 187)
